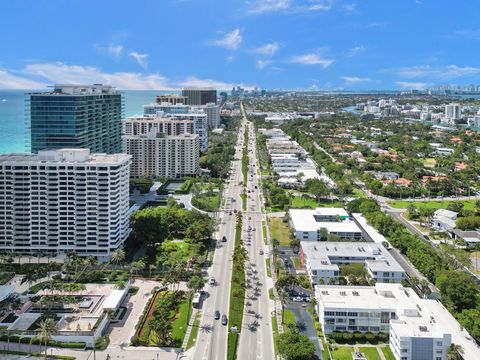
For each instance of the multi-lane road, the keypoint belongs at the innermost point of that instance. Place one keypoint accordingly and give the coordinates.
(256, 340)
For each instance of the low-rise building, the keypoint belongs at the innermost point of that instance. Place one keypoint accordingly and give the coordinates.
(443, 220)
(308, 224)
(322, 261)
(418, 328)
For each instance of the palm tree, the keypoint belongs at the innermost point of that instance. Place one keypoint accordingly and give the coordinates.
(117, 256)
(46, 328)
(455, 352)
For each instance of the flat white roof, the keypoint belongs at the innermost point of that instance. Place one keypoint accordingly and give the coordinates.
(114, 300)
(375, 256)
(370, 230)
(6, 291)
(408, 306)
(304, 220)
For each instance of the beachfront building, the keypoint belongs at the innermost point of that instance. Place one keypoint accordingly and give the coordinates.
(64, 200)
(76, 116)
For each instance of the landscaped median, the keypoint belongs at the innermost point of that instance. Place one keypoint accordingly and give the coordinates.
(237, 290)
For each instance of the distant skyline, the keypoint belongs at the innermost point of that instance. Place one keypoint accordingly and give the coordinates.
(289, 44)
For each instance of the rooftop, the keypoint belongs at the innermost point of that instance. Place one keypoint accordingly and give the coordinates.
(376, 257)
(413, 312)
(310, 220)
(66, 155)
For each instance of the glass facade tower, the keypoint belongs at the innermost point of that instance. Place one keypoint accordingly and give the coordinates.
(74, 116)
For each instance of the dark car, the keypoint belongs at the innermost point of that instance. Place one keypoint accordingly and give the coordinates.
(224, 239)
(224, 320)
(217, 315)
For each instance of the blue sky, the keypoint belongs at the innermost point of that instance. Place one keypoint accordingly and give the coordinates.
(289, 44)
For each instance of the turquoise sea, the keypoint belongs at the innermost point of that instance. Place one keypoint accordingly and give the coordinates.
(12, 115)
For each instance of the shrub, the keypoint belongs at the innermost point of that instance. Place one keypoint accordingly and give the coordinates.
(134, 340)
(369, 337)
(347, 337)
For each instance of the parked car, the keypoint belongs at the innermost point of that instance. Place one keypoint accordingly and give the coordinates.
(261, 252)
(212, 281)
(224, 238)
(217, 315)
(224, 319)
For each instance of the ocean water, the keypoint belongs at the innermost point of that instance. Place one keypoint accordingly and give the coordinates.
(12, 115)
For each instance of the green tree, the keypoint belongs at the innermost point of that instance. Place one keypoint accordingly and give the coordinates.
(46, 328)
(294, 346)
(118, 256)
(458, 290)
(470, 320)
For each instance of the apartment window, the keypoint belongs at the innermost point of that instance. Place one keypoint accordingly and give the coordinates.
(439, 343)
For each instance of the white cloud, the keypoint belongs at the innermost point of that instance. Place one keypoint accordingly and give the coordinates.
(311, 59)
(193, 81)
(355, 50)
(350, 8)
(75, 74)
(11, 81)
(319, 5)
(267, 49)
(265, 6)
(231, 40)
(261, 64)
(141, 59)
(114, 50)
(354, 79)
(290, 6)
(472, 34)
(442, 72)
(375, 25)
(412, 85)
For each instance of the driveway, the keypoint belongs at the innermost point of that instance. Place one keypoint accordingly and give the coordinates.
(305, 325)
(121, 332)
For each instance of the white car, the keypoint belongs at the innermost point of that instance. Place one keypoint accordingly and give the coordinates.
(212, 281)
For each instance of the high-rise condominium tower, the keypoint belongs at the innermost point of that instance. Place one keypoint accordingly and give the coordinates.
(64, 200)
(76, 116)
(200, 96)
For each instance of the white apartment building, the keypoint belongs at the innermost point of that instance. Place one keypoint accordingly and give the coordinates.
(170, 124)
(213, 113)
(419, 329)
(322, 261)
(163, 156)
(200, 126)
(64, 200)
(453, 111)
(307, 224)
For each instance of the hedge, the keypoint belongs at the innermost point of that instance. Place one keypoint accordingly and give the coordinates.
(358, 337)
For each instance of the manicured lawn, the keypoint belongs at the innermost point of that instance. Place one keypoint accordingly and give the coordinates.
(178, 317)
(207, 203)
(388, 353)
(271, 296)
(289, 319)
(269, 272)
(358, 193)
(300, 202)
(280, 231)
(342, 353)
(296, 262)
(275, 333)
(325, 354)
(371, 353)
(5, 277)
(179, 325)
(264, 233)
(402, 204)
(429, 162)
(330, 203)
(194, 332)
